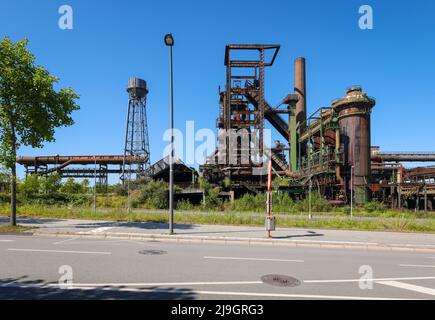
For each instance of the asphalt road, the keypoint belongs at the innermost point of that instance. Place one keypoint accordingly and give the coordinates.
(30, 268)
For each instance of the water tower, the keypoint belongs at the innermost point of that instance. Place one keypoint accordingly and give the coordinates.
(137, 149)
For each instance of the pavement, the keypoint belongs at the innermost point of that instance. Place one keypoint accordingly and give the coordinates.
(219, 234)
(44, 267)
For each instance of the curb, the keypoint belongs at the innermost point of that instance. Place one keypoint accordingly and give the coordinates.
(243, 241)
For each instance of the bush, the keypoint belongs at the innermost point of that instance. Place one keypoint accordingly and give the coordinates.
(154, 194)
(282, 203)
(250, 203)
(318, 204)
(185, 205)
(72, 187)
(30, 186)
(5, 198)
(212, 200)
(374, 206)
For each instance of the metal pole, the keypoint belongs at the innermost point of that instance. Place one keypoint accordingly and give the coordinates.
(128, 188)
(310, 216)
(351, 192)
(171, 157)
(95, 184)
(425, 201)
(269, 200)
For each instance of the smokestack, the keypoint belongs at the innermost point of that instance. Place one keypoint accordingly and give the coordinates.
(300, 90)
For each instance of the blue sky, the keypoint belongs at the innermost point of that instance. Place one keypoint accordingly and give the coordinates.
(114, 40)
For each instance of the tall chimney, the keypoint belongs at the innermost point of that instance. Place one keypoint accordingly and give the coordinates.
(300, 90)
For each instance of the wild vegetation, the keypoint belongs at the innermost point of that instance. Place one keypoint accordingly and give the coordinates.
(51, 197)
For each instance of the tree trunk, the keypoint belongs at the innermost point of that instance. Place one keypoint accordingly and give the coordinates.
(14, 195)
(13, 171)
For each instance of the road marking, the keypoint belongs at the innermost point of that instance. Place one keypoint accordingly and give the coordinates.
(365, 280)
(6, 240)
(181, 290)
(410, 287)
(335, 242)
(161, 284)
(417, 265)
(249, 294)
(101, 229)
(252, 259)
(59, 251)
(63, 241)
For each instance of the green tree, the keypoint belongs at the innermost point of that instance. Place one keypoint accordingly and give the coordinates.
(30, 108)
(5, 178)
(30, 186)
(52, 183)
(71, 187)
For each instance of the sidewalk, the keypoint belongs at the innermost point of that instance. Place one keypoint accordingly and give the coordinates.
(290, 237)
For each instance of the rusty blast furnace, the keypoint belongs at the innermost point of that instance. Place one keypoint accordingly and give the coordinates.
(330, 149)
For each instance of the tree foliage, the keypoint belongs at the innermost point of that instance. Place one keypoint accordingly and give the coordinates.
(30, 107)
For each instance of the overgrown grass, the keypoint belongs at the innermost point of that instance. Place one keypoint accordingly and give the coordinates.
(6, 228)
(401, 223)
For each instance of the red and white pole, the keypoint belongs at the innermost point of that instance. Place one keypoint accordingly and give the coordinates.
(269, 199)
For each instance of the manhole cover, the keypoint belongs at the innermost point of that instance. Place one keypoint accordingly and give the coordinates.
(152, 252)
(280, 280)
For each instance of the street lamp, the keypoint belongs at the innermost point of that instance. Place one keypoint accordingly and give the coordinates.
(169, 41)
(351, 191)
(310, 215)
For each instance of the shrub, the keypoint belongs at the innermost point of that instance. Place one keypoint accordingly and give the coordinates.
(184, 204)
(155, 194)
(374, 206)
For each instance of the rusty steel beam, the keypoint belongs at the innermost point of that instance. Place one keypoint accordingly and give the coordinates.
(83, 160)
(404, 157)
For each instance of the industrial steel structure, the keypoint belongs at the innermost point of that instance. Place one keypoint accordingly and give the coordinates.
(331, 149)
(136, 133)
(134, 161)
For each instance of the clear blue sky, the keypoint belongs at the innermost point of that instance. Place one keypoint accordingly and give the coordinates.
(114, 40)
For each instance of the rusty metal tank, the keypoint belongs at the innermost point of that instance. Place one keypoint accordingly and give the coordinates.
(354, 110)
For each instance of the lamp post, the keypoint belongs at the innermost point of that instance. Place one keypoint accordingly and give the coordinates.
(169, 41)
(351, 192)
(310, 215)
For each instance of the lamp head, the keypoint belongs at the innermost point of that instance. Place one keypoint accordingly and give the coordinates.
(169, 40)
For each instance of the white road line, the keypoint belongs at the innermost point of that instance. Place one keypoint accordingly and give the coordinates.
(224, 293)
(101, 229)
(410, 287)
(246, 294)
(417, 265)
(334, 242)
(162, 284)
(252, 259)
(59, 251)
(63, 241)
(6, 240)
(375, 280)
